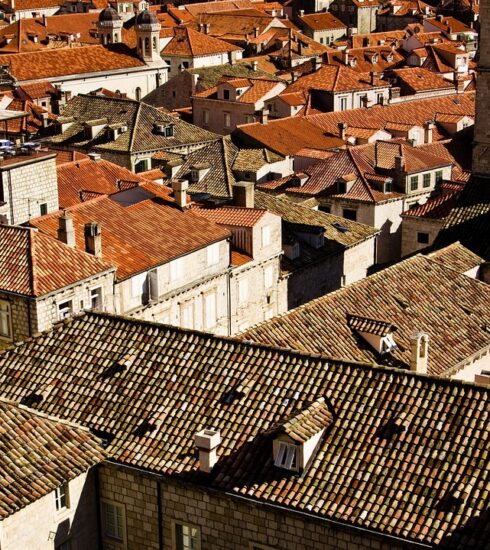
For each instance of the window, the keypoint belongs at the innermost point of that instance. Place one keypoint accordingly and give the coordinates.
(343, 103)
(210, 317)
(138, 94)
(187, 315)
(341, 187)
(61, 497)
(325, 208)
(249, 119)
(268, 276)
(226, 94)
(43, 208)
(205, 116)
(426, 182)
(169, 130)
(227, 120)
(187, 537)
(213, 254)
(362, 99)
(2, 195)
(349, 214)
(266, 235)
(5, 320)
(138, 285)
(414, 183)
(65, 309)
(243, 291)
(422, 237)
(388, 187)
(176, 269)
(438, 176)
(96, 298)
(113, 520)
(287, 456)
(379, 99)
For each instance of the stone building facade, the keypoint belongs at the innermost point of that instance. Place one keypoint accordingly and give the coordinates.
(156, 511)
(28, 187)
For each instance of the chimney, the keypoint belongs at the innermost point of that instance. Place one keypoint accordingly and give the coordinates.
(419, 345)
(180, 187)
(44, 119)
(345, 57)
(94, 156)
(12, 4)
(342, 130)
(399, 163)
(374, 78)
(317, 63)
(45, 21)
(93, 238)
(207, 28)
(429, 128)
(201, 27)
(301, 13)
(256, 32)
(244, 194)
(458, 83)
(255, 65)
(66, 232)
(264, 116)
(207, 442)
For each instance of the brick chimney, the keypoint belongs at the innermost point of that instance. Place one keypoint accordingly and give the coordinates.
(419, 346)
(244, 194)
(374, 78)
(66, 231)
(264, 116)
(429, 129)
(256, 32)
(458, 83)
(342, 130)
(93, 238)
(207, 443)
(180, 187)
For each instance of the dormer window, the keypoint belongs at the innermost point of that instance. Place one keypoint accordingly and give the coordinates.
(377, 333)
(287, 456)
(194, 175)
(388, 186)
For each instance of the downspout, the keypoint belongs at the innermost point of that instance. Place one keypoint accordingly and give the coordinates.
(160, 514)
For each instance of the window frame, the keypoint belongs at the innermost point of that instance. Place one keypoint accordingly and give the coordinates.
(62, 497)
(104, 504)
(100, 298)
(287, 456)
(352, 219)
(6, 311)
(414, 183)
(180, 546)
(226, 119)
(426, 180)
(70, 310)
(266, 235)
(211, 295)
(439, 176)
(419, 233)
(43, 208)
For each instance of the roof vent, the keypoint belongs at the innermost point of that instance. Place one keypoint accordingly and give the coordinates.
(207, 441)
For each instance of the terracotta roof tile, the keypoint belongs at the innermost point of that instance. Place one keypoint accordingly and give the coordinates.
(322, 21)
(188, 42)
(456, 256)
(232, 215)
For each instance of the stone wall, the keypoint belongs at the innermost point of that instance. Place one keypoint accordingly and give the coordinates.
(412, 226)
(223, 522)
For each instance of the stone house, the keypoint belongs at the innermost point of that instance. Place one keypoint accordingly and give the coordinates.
(234, 430)
(322, 252)
(13, 10)
(397, 14)
(43, 281)
(124, 131)
(28, 186)
(363, 321)
(190, 49)
(234, 101)
(323, 27)
(359, 14)
(53, 503)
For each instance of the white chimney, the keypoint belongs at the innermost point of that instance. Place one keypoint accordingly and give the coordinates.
(66, 232)
(429, 128)
(94, 156)
(244, 194)
(419, 346)
(207, 442)
(180, 187)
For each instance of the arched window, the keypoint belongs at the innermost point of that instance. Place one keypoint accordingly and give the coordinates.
(116, 37)
(141, 44)
(109, 38)
(155, 43)
(147, 45)
(138, 94)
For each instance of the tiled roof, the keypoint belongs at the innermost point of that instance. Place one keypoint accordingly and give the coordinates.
(256, 89)
(338, 230)
(139, 119)
(70, 61)
(34, 264)
(377, 39)
(372, 326)
(418, 79)
(188, 42)
(436, 208)
(470, 219)
(99, 176)
(219, 179)
(39, 454)
(22, 5)
(37, 90)
(304, 425)
(233, 26)
(456, 256)
(365, 60)
(254, 159)
(139, 236)
(415, 294)
(322, 21)
(286, 136)
(450, 24)
(404, 455)
(232, 215)
(63, 156)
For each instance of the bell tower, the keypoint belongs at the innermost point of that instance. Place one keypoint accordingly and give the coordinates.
(147, 29)
(109, 26)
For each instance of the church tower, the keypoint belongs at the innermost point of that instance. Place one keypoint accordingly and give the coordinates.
(147, 29)
(109, 26)
(481, 145)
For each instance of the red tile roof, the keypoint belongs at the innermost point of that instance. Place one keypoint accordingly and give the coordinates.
(232, 215)
(139, 236)
(436, 208)
(322, 21)
(35, 264)
(418, 79)
(191, 43)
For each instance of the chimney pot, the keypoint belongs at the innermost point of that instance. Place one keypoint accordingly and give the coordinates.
(207, 441)
(94, 156)
(93, 238)
(244, 194)
(66, 232)
(342, 130)
(419, 344)
(180, 187)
